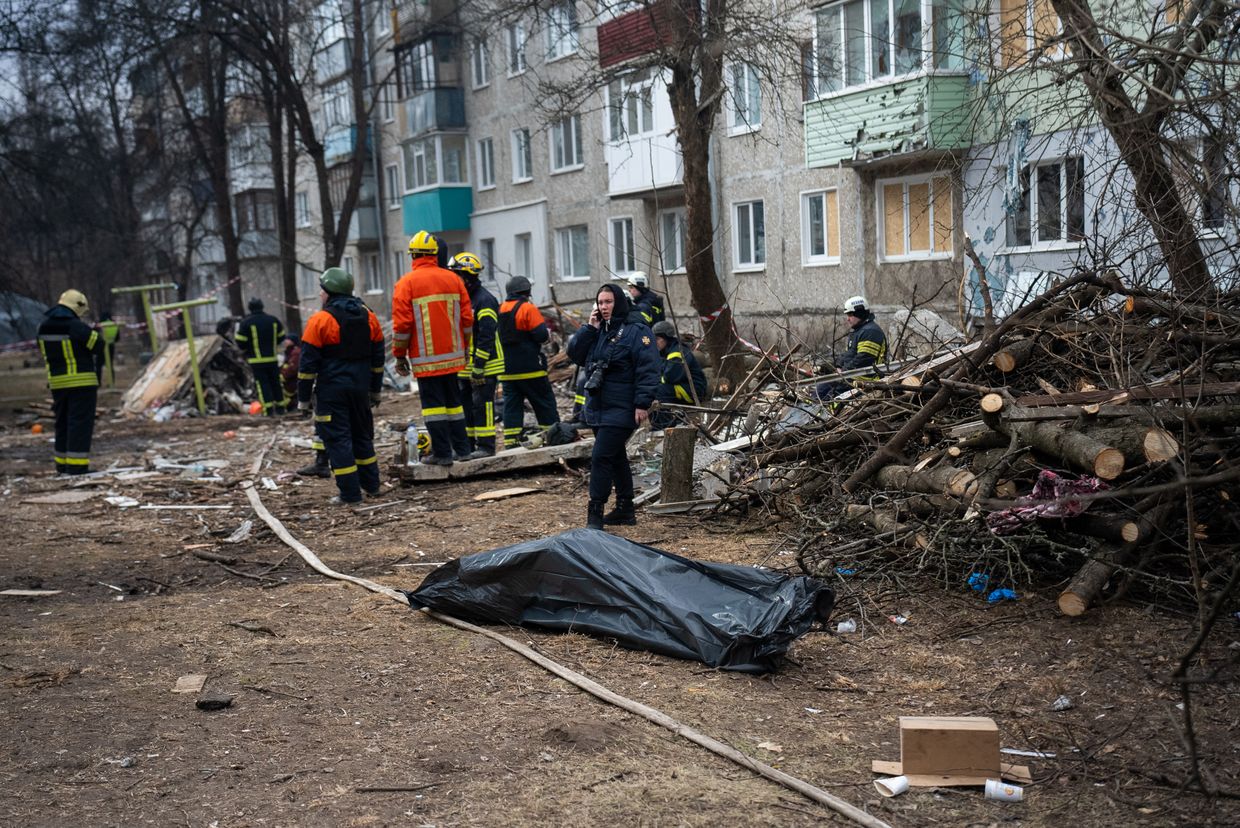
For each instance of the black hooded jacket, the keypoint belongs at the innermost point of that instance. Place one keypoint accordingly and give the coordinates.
(631, 375)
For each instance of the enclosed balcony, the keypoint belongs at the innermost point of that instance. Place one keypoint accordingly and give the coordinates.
(434, 110)
(340, 143)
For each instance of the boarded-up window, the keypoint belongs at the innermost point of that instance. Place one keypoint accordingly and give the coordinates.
(1029, 28)
(917, 217)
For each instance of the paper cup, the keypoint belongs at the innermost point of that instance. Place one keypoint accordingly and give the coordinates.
(1002, 791)
(895, 785)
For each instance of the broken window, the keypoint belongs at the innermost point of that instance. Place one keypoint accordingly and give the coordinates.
(1051, 208)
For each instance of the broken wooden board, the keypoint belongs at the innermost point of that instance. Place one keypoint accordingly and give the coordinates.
(29, 593)
(501, 463)
(191, 683)
(1013, 773)
(168, 375)
(61, 498)
(683, 506)
(501, 494)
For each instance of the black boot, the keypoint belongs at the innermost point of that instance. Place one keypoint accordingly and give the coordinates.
(623, 514)
(319, 468)
(594, 514)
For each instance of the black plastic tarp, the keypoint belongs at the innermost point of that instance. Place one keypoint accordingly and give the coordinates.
(584, 580)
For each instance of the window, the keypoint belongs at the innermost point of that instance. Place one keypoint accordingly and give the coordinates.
(514, 37)
(387, 103)
(860, 41)
(480, 63)
(256, 210)
(916, 217)
(1199, 168)
(486, 164)
(488, 257)
(383, 19)
(1029, 30)
(420, 168)
(337, 105)
(809, 83)
(522, 166)
(415, 68)
(452, 152)
(302, 208)
(820, 227)
(566, 143)
(750, 234)
(745, 113)
(524, 250)
(1051, 207)
(672, 239)
(347, 264)
(630, 106)
(400, 264)
(374, 276)
(572, 247)
(623, 259)
(561, 30)
(391, 176)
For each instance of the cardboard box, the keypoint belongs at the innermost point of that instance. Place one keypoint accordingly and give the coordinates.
(950, 750)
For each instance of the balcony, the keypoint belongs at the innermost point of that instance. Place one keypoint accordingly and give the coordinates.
(438, 209)
(432, 110)
(636, 33)
(364, 227)
(925, 112)
(340, 142)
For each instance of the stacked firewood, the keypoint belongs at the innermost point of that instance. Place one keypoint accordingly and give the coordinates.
(1090, 439)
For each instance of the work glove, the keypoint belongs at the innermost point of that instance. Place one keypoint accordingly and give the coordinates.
(374, 399)
(477, 377)
(402, 366)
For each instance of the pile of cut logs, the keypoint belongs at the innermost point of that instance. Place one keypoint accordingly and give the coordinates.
(1129, 395)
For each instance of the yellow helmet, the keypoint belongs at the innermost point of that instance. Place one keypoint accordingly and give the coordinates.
(423, 244)
(75, 301)
(466, 263)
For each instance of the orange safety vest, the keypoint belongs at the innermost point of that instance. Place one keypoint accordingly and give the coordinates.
(431, 319)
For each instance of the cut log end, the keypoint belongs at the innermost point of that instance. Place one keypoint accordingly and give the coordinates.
(1130, 532)
(992, 403)
(1072, 604)
(1109, 464)
(1159, 446)
(1004, 361)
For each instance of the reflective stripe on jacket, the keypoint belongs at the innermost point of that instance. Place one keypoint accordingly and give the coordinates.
(70, 349)
(340, 359)
(680, 368)
(259, 336)
(485, 349)
(431, 319)
(867, 346)
(522, 331)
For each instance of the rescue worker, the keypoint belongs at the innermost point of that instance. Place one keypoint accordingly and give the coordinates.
(644, 301)
(431, 322)
(342, 358)
(258, 336)
(681, 379)
(522, 331)
(622, 376)
(484, 360)
(867, 346)
(71, 351)
(110, 331)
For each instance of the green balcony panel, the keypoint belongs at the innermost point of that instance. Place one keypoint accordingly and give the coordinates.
(925, 112)
(438, 209)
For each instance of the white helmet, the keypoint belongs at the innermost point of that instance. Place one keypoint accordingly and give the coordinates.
(638, 279)
(856, 305)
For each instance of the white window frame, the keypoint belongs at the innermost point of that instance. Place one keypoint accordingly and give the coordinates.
(750, 120)
(569, 269)
(486, 250)
(374, 276)
(302, 208)
(561, 30)
(387, 103)
(630, 111)
(485, 149)
(391, 181)
(514, 46)
(523, 255)
(753, 264)
(622, 248)
(880, 208)
(430, 170)
(678, 244)
(829, 256)
(565, 145)
(383, 21)
(1063, 242)
(925, 64)
(480, 63)
(522, 156)
(400, 265)
(435, 163)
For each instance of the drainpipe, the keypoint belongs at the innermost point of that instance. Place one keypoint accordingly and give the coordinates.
(380, 214)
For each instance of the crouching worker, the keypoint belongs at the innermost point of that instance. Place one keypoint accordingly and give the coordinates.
(682, 379)
(342, 355)
(622, 373)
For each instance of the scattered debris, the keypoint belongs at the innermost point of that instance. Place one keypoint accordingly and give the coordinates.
(214, 700)
(190, 683)
(241, 533)
(502, 494)
(61, 498)
(30, 593)
(1062, 703)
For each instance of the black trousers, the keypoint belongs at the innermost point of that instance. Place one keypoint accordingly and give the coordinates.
(75, 425)
(541, 398)
(479, 405)
(444, 415)
(609, 464)
(343, 421)
(270, 389)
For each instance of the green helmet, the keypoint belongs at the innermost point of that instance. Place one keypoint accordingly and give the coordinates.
(337, 280)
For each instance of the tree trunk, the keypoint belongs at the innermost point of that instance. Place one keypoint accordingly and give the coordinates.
(1080, 450)
(939, 480)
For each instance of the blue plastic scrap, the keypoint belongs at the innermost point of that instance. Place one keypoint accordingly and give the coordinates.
(1001, 595)
(978, 581)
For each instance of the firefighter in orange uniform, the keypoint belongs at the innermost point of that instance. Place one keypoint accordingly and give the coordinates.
(431, 323)
(342, 356)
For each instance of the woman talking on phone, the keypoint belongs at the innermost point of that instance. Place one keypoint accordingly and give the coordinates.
(621, 364)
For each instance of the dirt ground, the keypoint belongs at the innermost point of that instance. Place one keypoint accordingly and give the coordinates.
(352, 710)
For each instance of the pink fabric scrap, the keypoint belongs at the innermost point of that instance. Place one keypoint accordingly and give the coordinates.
(1052, 497)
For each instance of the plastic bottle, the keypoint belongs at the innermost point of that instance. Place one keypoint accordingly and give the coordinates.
(411, 445)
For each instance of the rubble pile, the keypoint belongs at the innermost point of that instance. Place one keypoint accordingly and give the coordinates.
(1089, 438)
